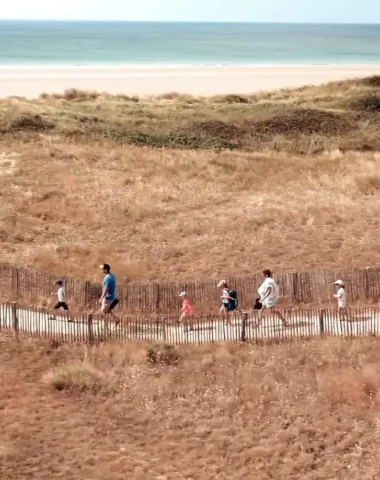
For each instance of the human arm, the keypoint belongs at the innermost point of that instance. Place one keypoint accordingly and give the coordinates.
(104, 291)
(266, 294)
(225, 295)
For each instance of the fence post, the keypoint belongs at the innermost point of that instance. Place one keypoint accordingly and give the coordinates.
(87, 288)
(243, 327)
(322, 322)
(164, 329)
(15, 318)
(366, 283)
(90, 329)
(17, 283)
(295, 287)
(156, 300)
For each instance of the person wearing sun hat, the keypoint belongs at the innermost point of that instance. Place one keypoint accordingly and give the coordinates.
(186, 310)
(341, 296)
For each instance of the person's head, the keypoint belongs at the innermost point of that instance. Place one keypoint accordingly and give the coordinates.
(59, 283)
(183, 295)
(222, 284)
(339, 284)
(267, 273)
(105, 268)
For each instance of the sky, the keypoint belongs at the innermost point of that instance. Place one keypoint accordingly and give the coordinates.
(330, 11)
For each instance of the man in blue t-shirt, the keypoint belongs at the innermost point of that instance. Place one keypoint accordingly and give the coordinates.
(108, 299)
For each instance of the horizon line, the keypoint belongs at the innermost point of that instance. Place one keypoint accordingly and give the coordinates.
(182, 21)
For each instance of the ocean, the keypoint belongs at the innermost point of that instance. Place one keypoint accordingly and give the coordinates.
(48, 43)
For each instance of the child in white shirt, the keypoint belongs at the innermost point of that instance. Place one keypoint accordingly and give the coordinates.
(61, 303)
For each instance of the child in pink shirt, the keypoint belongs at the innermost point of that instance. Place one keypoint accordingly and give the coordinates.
(186, 310)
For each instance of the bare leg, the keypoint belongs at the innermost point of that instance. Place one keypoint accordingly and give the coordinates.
(343, 314)
(261, 315)
(281, 317)
(114, 317)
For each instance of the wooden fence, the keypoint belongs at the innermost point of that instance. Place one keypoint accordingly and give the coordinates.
(302, 288)
(243, 327)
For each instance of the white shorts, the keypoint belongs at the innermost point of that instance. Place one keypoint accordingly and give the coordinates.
(270, 302)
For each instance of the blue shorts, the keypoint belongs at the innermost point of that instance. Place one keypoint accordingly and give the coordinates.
(229, 306)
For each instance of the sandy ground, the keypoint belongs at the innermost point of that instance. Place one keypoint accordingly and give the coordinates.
(133, 80)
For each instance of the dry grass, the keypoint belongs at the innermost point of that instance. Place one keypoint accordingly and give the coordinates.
(300, 410)
(74, 195)
(77, 375)
(186, 215)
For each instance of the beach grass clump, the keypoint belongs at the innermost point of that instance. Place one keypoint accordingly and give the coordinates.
(303, 121)
(162, 353)
(78, 375)
(368, 184)
(373, 81)
(370, 103)
(30, 122)
(231, 98)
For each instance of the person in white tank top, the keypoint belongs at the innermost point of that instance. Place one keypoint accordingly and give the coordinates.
(341, 297)
(269, 293)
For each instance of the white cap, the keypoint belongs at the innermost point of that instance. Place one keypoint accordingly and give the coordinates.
(183, 294)
(339, 282)
(221, 283)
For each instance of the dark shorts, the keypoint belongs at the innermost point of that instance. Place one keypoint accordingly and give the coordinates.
(61, 305)
(114, 304)
(229, 306)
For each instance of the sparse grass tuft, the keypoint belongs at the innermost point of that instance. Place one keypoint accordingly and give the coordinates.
(231, 99)
(76, 376)
(78, 95)
(303, 121)
(368, 184)
(370, 103)
(30, 122)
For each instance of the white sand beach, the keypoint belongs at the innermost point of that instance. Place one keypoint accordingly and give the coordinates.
(151, 80)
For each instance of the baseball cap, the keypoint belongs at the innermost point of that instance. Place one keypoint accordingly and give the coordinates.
(183, 294)
(222, 282)
(339, 282)
(104, 266)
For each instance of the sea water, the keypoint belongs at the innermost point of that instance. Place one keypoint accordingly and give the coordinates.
(48, 43)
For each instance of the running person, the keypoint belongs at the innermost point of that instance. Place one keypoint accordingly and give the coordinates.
(61, 299)
(229, 302)
(269, 293)
(186, 311)
(108, 299)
